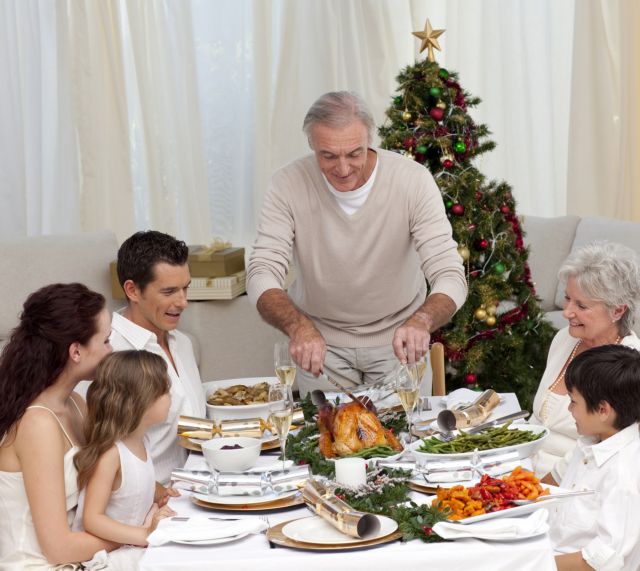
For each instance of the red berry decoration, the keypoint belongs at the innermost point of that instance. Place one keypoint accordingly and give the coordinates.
(447, 163)
(436, 113)
(482, 244)
(478, 196)
(409, 143)
(470, 378)
(505, 209)
(457, 209)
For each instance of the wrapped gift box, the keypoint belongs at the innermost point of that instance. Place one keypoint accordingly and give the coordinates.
(205, 263)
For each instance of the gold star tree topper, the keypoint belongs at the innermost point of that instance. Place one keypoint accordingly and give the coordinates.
(429, 38)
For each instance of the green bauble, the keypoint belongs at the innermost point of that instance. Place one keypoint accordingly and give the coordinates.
(459, 147)
(443, 73)
(435, 92)
(499, 268)
(397, 100)
(422, 149)
(448, 203)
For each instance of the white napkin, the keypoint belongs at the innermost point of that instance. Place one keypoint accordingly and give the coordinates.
(504, 528)
(460, 398)
(200, 528)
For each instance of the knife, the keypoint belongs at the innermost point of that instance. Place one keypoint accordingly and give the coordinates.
(501, 420)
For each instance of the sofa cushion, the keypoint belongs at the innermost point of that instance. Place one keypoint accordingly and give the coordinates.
(549, 241)
(594, 228)
(31, 263)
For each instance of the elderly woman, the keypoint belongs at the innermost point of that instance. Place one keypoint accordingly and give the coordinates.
(602, 296)
(62, 336)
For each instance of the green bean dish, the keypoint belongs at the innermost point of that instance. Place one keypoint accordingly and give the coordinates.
(498, 437)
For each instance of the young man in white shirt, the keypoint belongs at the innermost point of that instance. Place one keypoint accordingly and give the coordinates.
(602, 531)
(153, 272)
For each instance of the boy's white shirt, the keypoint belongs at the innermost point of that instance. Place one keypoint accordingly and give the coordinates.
(605, 527)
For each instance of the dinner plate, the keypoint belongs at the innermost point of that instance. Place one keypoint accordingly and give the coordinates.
(287, 502)
(243, 500)
(316, 529)
(194, 444)
(275, 535)
(211, 541)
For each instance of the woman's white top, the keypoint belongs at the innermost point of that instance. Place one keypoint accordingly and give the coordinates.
(131, 502)
(19, 548)
(552, 410)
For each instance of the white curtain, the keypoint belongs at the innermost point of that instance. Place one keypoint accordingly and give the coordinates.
(604, 159)
(125, 115)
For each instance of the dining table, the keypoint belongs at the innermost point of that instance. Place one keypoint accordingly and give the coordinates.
(255, 553)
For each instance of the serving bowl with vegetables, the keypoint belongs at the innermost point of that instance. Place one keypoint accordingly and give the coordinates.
(526, 439)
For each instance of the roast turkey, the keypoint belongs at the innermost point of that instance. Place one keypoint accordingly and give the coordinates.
(349, 428)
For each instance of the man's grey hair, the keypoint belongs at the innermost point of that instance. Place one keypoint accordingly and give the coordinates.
(337, 109)
(610, 273)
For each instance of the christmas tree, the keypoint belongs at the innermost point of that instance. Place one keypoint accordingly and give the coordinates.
(499, 338)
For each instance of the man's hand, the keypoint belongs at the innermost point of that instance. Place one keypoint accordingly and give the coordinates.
(411, 339)
(308, 348)
(306, 344)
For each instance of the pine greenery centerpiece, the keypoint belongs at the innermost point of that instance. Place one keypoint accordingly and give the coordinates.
(499, 338)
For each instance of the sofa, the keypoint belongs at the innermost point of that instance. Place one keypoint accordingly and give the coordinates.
(230, 339)
(551, 240)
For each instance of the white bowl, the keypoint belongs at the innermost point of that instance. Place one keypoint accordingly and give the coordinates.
(231, 460)
(524, 450)
(221, 412)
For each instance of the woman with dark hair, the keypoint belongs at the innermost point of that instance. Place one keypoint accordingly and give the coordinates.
(62, 336)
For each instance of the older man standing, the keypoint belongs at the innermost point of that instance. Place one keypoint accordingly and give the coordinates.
(364, 227)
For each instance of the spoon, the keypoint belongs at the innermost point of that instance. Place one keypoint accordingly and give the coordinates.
(553, 496)
(318, 397)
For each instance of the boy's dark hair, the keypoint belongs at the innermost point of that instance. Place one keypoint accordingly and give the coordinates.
(139, 254)
(608, 373)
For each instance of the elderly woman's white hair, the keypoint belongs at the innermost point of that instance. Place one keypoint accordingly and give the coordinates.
(610, 273)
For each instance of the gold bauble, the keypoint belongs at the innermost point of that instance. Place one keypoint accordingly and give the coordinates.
(406, 116)
(491, 310)
(441, 104)
(480, 314)
(491, 321)
(464, 253)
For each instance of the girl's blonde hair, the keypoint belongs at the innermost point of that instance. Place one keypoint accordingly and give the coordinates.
(126, 384)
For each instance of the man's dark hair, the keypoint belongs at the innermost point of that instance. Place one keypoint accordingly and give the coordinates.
(139, 254)
(608, 373)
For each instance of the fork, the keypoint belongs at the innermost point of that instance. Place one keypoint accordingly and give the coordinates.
(265, 519)
(184, 518)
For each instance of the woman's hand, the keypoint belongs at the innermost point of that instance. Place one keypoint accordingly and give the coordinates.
(155, 515)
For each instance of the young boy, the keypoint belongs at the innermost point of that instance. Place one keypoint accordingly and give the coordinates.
(602, 531)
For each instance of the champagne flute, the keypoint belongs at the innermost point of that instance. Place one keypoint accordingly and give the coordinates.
(407, 389)
(284, 365)
(281, 413)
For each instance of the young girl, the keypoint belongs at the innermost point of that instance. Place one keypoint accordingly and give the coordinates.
(118, 499)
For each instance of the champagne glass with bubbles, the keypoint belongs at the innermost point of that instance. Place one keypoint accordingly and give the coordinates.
(280, 414)
(407, 389)
(284, 364)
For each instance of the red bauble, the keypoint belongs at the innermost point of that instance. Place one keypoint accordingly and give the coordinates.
(457, 209)
(409, 143)
(470, 378)
(420, 158)
(482, 244)
(436, 113)
(447, 163)
(505, 209)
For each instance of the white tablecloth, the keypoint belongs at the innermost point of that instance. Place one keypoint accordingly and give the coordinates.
(253, 553)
